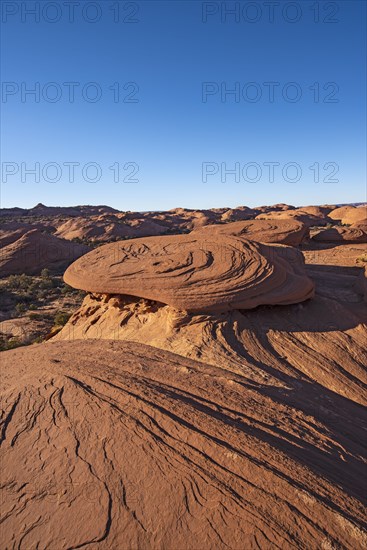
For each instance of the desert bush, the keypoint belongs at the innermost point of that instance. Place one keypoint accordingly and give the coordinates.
(19, 282)
(61, 319)
(34, 316)
(12, 343)
(20, 308)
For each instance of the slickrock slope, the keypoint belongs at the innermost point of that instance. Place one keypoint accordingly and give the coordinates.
(117, 445)
(289, 232)
(35, 250)
(195, 273)
(12, 231)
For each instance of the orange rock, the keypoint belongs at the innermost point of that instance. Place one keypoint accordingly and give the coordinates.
(195, 272)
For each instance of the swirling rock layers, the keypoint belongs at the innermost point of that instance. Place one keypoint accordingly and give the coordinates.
(342, 234)
(195, 273)
(287, 231)
(116, 445)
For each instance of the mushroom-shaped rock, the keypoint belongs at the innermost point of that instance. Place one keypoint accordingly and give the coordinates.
(195, 273)
(287, 231)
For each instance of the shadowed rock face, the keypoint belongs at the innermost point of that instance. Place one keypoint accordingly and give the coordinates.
(287, 231)
(117, 445)
(195, 273)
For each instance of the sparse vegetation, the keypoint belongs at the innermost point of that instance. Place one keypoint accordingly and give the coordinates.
(61, 318)
(11, 343)
(43, 304)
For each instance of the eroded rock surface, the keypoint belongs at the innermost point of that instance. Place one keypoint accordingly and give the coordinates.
(195, 272)
(119, 445)
(284, 231)
(35, 250)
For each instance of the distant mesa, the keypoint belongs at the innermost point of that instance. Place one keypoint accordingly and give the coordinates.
(42, 210)
(195, 273)
(34, 251)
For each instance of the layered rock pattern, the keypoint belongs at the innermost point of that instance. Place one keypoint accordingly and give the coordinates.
(195, 273)
(284, 231)
(116, 445)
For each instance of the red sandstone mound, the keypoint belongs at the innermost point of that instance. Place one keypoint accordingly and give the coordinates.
(349, 215)
(342, 234)
(10, 231)
(195, 272)
(238, 214)
(318, 211)
(310, 216)
(108, 227)
(183, 219)
(287, 231)
(35, 250)
(9, 235)
(274, 208)
(312, 339)
(115, 445)
(361, 224)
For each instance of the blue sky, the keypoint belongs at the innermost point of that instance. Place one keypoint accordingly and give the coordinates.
(169, 50)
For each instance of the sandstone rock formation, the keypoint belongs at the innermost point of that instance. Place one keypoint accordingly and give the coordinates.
(238, 214)
(165, 416)
(116, 445)
(313, 338)
(195, 273)
(287, 231)
(353, 234)
(35, 250)
(310, 216)
(349, 215)
(108, 227)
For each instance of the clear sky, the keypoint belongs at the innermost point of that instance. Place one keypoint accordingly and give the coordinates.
(164, 118)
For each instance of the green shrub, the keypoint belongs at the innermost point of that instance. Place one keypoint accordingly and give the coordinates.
(20, 308)
(35, 316)
(19, 282)
(61, 319)
(10, 344)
